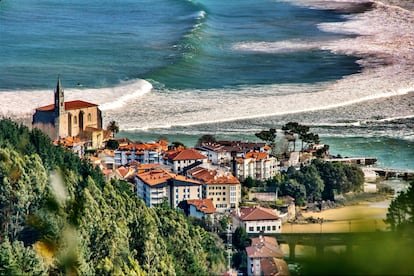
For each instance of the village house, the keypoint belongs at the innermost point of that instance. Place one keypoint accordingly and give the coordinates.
(221, 187)
(144, 153)
(180, 160)
(199, 208)
(73, 118)
(264, 257)
(257, 165)
(156, 186)
(216, 153)
(257, 220)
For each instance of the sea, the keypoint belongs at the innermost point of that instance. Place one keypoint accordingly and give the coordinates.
(184, 68)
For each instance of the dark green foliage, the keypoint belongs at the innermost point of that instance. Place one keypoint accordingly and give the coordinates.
(78, 223)
(207, 138)
(267, 135)
(177, 144)
(240, 239)
(113, 127)
(16, 259)
(319, 181)
(112, 144)
(400, 214)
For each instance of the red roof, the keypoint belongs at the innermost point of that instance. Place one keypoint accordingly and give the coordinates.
(185, 154)
(264, 248)
(68, 106)
(203, 205)
(257, 213)
(213, 177)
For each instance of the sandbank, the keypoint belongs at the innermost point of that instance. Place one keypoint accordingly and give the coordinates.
(363, 217)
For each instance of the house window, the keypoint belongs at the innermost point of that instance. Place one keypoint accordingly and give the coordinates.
(268, 228)
(263, 228)
(89, 117)
(258, 228)
(251, 229)
(273, 228)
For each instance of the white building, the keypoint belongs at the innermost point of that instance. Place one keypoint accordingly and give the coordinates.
(156, 186)
(257, 220)
(257, 165)
(182, 159)
(144, 153)
(262, 252)
(221, 187)
(216, 153)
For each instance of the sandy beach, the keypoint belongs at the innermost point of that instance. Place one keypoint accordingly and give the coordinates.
(365, 216)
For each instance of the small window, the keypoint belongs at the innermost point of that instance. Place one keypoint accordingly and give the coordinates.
(75, 120)
(268, 228)
(89, 117)
(251, 229)
(258, 228)
(273, 228)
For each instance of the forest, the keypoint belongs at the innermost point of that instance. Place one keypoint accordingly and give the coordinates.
(58, 215)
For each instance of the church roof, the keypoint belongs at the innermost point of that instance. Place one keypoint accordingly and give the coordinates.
(78, 104)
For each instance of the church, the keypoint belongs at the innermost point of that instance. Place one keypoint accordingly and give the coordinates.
(67, 119)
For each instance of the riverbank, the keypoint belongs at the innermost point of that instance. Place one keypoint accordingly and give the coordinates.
(358, 215)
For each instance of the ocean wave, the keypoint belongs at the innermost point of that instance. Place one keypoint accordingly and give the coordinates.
(107, 98)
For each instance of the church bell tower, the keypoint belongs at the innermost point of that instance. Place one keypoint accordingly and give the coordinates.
(59, 98)
(59, 109)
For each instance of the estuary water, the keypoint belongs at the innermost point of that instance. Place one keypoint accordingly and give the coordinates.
(183, 68)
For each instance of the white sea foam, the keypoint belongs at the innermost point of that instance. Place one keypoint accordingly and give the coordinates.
(24, 102)
(384, 42)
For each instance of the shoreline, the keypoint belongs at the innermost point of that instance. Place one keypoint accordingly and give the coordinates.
(365, 215)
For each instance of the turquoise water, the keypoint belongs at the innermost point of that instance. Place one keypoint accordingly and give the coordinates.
(227, 68)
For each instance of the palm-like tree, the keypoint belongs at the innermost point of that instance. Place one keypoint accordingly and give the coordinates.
(113, 127)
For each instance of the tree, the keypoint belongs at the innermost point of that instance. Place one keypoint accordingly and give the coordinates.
(113, 127)
(240, 239)
(294, 189)
(400, 214)
(177, 144)
(268, 136)
(206, 138)
(16, 259)
(112, 144)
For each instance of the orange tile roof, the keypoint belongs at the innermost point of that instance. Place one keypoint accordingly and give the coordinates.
(154, 177)
(185, 179)
(125, 172)
(256, 155)
(68, 106)
(261, 248)
(274, 267)
(257, 213)
(184, 154)
(203, 205)
(160, 176)
(212, 177)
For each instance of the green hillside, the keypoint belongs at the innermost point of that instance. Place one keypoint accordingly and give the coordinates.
(58, 215)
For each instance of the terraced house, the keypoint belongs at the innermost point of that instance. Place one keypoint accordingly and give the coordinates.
(156, 186)
(221, 187)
